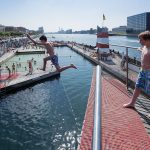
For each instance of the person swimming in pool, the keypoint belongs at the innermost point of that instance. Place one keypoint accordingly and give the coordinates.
(50, 50)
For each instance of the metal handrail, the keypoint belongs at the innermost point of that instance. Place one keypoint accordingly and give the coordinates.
(127, 61)
(125, 46)
(96, 144)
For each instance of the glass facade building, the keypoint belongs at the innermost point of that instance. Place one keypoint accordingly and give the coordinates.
(138, 23)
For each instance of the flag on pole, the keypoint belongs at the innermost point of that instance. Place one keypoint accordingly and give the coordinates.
(104, 18)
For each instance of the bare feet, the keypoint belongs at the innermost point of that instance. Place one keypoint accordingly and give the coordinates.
(128, 105)
(73, 66)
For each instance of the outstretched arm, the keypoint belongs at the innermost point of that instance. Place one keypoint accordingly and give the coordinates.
(31, 39)
(35, 41)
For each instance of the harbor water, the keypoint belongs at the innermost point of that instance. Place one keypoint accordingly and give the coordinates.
(48, 115)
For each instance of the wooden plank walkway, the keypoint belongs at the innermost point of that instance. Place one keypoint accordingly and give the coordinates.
(122, 128)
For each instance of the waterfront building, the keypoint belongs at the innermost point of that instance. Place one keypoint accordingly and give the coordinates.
(120, 30)
(10, 29)
(138, 23)
(61, 31)
(40, 30)
(92, 31)
(2, 28)
(69, 31)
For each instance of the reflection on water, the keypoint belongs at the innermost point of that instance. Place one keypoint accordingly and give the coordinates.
(48, 115)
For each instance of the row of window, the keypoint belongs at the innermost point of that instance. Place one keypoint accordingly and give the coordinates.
(137, 22)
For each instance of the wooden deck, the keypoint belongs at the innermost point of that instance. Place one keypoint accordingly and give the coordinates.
(122, 128)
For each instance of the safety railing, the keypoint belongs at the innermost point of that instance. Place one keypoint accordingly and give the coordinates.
(127, 59)
(96, 143)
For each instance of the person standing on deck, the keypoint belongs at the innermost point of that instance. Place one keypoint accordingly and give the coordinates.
(30, 67)
(9, 72)
(52, 56)
(143, 81)
(123, 61)
(13, 68)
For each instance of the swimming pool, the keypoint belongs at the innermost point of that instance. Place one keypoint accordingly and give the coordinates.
(47, 115)
(20, 61)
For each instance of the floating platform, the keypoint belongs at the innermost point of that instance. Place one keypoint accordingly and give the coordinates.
(13, 81)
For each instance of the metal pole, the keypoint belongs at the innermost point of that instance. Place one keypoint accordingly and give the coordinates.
(97, 112)
(127, 73)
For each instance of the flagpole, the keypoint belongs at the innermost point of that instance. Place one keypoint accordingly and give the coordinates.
(103, 20)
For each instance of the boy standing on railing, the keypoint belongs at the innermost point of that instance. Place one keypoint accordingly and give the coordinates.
(52, 56)
(143, 81)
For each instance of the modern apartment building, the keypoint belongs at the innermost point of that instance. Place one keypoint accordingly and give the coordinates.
(138, 23)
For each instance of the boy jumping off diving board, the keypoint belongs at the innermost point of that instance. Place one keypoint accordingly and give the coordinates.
(52, 56)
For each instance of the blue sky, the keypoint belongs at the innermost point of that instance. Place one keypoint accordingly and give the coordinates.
(66, 14)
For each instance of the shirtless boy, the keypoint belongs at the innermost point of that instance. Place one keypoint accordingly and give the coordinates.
(144, 76)
(50, 51)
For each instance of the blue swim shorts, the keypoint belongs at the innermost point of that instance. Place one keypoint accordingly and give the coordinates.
(143, 81)
(54, 59)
